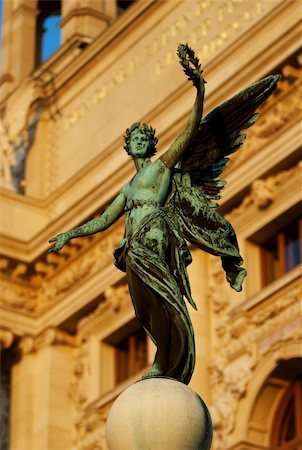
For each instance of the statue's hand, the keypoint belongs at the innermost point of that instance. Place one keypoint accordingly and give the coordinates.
(60, 240)
(191, 65)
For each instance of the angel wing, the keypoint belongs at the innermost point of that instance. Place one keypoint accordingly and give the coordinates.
(220, 134)
(197, 182)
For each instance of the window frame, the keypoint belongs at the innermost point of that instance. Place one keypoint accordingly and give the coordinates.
(281, 249)
(281, 419)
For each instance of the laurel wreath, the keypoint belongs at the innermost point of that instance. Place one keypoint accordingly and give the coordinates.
(190, 64)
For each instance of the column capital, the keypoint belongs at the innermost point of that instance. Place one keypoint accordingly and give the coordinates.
(50, 336)
(6, 338)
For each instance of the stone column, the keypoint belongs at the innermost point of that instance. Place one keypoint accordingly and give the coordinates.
(42, 410)
(85, 19)
(18, 53)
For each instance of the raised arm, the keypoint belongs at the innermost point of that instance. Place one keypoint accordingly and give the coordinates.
(111, 215)
(173, 155)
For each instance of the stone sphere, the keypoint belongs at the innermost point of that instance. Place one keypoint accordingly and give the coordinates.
(159, 414)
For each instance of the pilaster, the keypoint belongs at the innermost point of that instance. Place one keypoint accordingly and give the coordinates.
(85, 19)
(41, 416)
(19, 21)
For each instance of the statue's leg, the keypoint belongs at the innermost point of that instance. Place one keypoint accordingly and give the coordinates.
(158, 301)
(153, 315)
(169, 328)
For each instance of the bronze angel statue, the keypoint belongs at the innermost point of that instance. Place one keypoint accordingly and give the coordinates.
(171, 201)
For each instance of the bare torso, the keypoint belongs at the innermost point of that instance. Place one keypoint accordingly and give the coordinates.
(148, 188)
(144, 194)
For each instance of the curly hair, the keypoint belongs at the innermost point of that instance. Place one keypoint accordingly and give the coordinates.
(149, 132)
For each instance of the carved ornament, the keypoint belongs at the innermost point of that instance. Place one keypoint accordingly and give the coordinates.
(241, 346)
(18, 298)
(50, 336)
(32, 288)
(89, 421)
(264, 191)
(90, 431)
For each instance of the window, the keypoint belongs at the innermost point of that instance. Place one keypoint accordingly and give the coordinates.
(287, 428)
(48, 30)
(282, 252)
(130, 355)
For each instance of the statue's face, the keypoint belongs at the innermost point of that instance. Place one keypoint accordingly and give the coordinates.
(139, 144)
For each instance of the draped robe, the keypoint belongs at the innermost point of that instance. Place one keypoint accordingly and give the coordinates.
(158, 286)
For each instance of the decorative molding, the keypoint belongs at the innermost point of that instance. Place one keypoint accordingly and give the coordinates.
(18, 298)
(52, 155)
(33, 288)
(229, 383)
(90, 431)
(263, 192)
(274, 309)
(89, 421)
(250, 304)
(6, 158)
(289, 332)
(15, 144)
(77, 389)
(50, 336)
(242, 342)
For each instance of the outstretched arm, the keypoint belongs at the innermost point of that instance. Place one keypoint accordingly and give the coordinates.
(111, 215)
(173, 155)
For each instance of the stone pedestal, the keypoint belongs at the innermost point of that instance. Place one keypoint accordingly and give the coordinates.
(159, 414)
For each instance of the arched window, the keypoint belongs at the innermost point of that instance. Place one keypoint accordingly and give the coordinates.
(48, 30)
(287, 427)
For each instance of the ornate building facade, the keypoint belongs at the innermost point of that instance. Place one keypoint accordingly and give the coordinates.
(70, 342)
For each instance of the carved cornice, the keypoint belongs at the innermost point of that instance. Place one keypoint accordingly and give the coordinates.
(18, 297)
(33, 288)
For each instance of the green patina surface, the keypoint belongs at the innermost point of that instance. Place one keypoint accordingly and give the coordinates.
(170, 201)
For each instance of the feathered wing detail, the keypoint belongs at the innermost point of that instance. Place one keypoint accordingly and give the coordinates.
(220, 134)
(197, 184)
